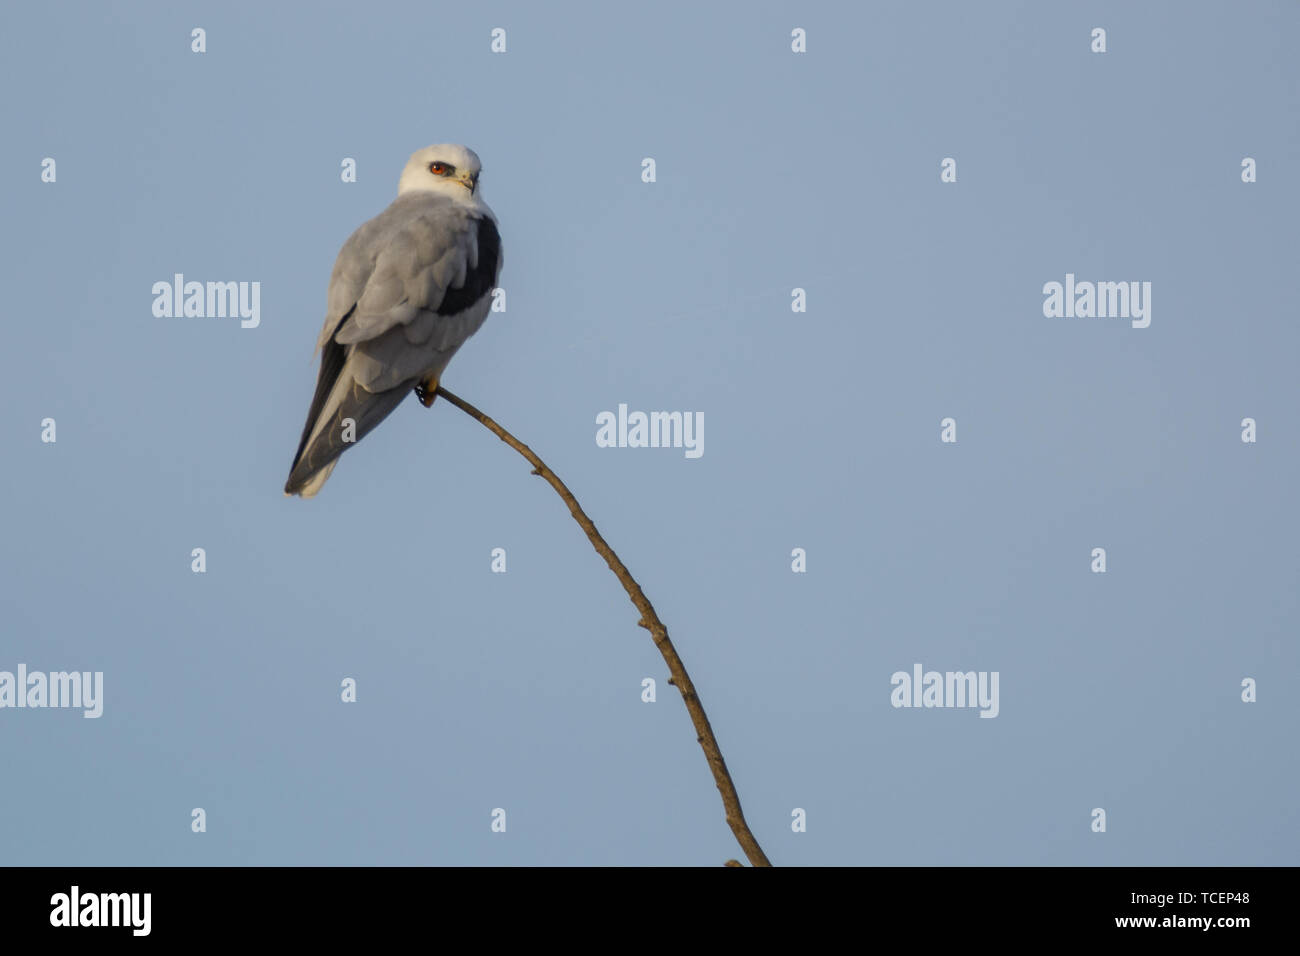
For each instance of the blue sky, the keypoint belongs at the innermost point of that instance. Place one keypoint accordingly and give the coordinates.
(774, 171)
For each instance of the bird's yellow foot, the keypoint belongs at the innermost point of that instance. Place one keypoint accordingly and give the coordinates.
(427, 391)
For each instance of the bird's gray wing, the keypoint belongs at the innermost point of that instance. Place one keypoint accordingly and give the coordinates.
(408, 288)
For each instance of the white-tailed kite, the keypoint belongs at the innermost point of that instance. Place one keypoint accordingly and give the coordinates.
(408, 288)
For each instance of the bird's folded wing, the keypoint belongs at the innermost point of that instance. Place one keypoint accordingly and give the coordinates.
(398, 267)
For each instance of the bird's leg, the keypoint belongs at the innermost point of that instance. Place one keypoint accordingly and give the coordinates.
(427, 390)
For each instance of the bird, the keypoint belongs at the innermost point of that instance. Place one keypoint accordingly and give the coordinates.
(409, 287)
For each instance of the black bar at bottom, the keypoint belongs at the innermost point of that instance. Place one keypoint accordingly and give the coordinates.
(89, 905)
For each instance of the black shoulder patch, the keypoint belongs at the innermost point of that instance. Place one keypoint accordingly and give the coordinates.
(480, 280)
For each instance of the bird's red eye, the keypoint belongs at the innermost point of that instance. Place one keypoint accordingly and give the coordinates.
(437, 168)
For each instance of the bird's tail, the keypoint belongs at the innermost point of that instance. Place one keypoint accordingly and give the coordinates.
(312, 484)
(345, 417)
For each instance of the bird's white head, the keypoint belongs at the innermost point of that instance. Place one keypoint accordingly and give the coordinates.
(448, 169)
